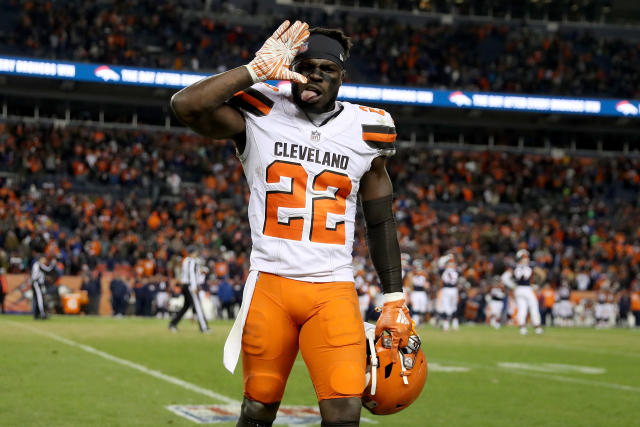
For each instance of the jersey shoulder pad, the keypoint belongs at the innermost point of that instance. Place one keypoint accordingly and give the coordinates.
(378, 129)
(258, 99)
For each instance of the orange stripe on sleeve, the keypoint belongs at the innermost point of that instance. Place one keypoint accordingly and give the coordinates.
(379, 137)
(253, 101)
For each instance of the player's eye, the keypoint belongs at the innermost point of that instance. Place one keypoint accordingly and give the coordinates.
(302, 68)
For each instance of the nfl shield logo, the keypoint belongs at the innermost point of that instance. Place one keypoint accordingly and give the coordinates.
(315, 136)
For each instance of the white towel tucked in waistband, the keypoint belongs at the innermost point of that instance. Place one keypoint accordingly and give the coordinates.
(233, 344)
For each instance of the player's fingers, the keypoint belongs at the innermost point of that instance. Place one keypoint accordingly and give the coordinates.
(292, 32)
(403, 342)
(304, 29)
(396, 344)
(293, 76)
(379, 331)
(281, 29)
(300, 39)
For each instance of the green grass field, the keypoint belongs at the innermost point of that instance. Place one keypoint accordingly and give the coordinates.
(79, 371)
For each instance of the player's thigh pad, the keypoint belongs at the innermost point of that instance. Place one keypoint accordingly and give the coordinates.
(269, 344)
(332, 343)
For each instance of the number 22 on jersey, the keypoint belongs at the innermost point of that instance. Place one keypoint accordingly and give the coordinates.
(295, 198)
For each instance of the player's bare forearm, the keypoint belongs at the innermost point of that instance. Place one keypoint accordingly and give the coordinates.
(376, 182)
(201, 106)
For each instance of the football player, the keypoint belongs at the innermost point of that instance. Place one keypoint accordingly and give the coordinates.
(362, 287)
(496, 303)
(565, 307)
(417, 282)
(449, 292)
(604, 309)
(307, 159)
(526, 299)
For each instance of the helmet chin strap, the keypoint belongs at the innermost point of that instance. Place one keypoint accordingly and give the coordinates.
(374, 361)
(403, 369)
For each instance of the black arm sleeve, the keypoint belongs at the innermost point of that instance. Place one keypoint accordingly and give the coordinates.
(383, 242)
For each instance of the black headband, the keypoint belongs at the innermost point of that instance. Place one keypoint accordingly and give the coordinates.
(319, 46)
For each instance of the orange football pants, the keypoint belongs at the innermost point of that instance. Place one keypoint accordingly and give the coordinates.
(321, 319)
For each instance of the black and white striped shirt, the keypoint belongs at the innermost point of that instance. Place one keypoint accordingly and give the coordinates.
(39, 271)
(190, 272)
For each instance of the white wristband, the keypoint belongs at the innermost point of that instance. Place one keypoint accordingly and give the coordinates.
(253, 74)
(393, 296)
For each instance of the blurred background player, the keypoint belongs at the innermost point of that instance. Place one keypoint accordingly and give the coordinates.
(449, 293)
(162, 298)
(40, 272)
(604, 309)
(526, 300)
(190, 277)
(417, 282)
(506, 279)
(564, 309)
(496, 303)
(362, 287)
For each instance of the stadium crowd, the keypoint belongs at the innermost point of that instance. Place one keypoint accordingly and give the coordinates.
(510, 57)
(137, 199)
(557, 10)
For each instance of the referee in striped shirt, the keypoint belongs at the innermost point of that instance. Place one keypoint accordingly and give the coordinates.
(39, 271)
(189, 279)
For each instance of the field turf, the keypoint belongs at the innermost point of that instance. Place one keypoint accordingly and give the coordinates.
(81, 371)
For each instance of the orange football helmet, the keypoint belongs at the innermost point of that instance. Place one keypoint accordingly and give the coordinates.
(395, 378)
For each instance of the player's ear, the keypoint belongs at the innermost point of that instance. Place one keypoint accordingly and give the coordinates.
(343, 75)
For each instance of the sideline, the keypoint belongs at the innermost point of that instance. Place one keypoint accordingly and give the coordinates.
(133, 365)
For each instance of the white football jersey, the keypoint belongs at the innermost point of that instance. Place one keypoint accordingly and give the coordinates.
(304, 181)
(450, 277)
(419, 281)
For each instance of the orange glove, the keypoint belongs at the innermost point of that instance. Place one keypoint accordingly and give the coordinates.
(273, 59)
(396, 319)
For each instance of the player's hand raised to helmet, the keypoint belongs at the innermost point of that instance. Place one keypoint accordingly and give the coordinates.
(395, 318)
(273, 59)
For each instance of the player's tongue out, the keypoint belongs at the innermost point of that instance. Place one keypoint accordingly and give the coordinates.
(308, 95)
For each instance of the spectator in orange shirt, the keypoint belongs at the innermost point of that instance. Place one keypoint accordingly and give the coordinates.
(635, 305)
(548, 296)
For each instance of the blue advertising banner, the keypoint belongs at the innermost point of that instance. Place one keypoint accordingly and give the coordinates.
(112, 74)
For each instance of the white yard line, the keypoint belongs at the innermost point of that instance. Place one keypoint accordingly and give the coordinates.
(595, 350)
(558, 378)
(574, 380)
(148, 371)
(133, 365)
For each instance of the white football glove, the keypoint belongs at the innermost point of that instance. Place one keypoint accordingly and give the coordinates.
(273, 59)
